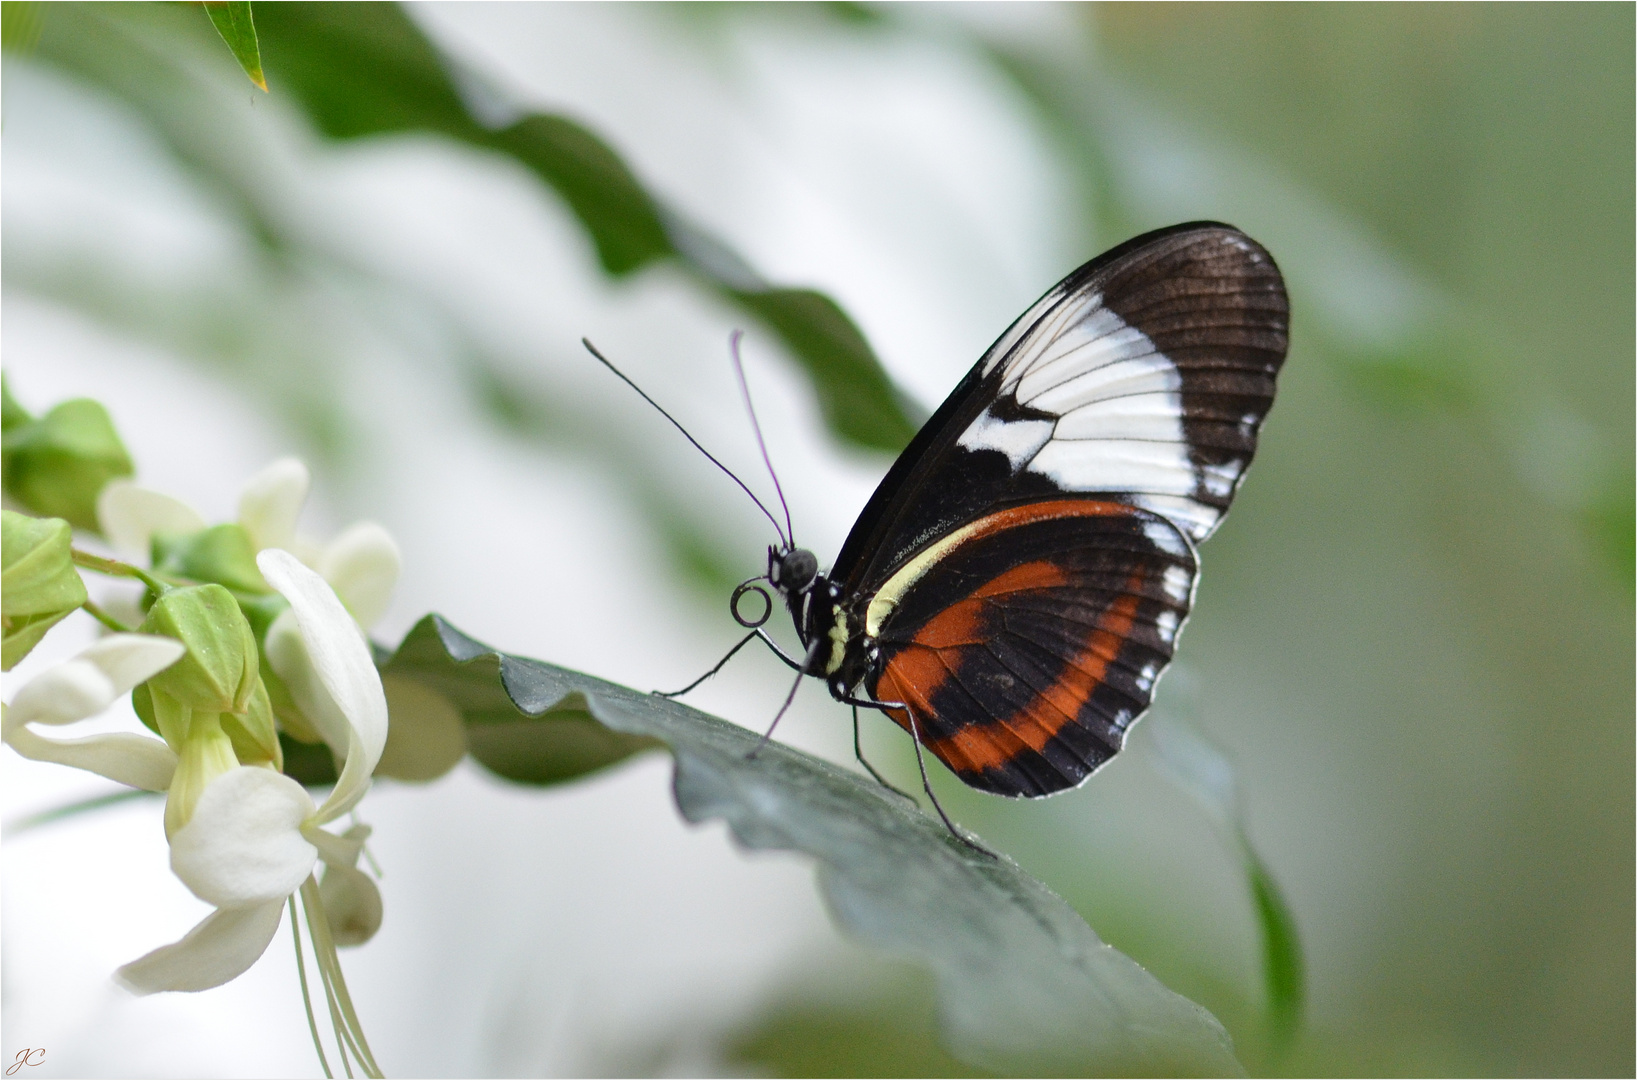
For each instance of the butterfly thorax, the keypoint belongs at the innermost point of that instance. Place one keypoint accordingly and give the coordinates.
(831, 629)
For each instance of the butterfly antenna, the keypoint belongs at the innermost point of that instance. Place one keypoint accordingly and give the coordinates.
(592, 349)
(744, 388)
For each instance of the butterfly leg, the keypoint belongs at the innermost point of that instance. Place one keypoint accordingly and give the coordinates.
(767, 736)
(720, 664)
(926, 785)
(801, 672)
(858, 752)
(920, 762)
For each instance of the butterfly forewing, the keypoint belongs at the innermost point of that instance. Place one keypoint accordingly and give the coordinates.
(1141, 378)
(1025, 650)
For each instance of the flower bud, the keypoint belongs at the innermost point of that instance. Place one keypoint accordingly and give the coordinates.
(222, 554)
(220, 672)
(57, 464)
(38, 582)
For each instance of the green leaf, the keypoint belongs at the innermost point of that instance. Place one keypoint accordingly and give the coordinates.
(365, 69)
(1024, 986)
(1205, 773)
(39, 585)
(362, 69)
(309, 764)
(609, 201)
(57, 465)
(1282, 967)
(860, 403)
(223, 554)
(563, 744)
(232, 20)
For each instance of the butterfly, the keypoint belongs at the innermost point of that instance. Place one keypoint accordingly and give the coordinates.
(1015, 586)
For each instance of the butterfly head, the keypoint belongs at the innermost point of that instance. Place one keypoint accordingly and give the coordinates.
(791, 570)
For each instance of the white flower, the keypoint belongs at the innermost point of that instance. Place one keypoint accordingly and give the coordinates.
(83, 687)
(362, 564)
(255, 835)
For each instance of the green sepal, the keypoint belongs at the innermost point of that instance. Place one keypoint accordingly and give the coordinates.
(57, 465)
(255, 738)
(142, 704)
(171, 719)
(38, 582)
(222, 667)
(222, 554)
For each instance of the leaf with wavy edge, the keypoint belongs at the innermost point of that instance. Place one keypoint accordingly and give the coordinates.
(1024, 985)
(364, 69)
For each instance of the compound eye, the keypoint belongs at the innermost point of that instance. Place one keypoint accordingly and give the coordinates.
(797, 570)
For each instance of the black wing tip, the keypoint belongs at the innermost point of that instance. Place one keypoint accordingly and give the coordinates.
(1154, 236)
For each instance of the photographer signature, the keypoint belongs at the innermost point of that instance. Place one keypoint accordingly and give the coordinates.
(26, 1057)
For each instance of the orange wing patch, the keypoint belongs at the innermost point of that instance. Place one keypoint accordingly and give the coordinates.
(920, 668)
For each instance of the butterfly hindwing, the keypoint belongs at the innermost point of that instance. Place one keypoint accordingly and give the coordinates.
(1027, 646)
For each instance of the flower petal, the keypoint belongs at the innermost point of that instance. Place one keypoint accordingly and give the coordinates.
(362, 565)
(287, 654)
(62, 694)
(272, 501)
(128, 659)
(129, 515)
(218, 950)
(136, 760)
(243, 844)
(341, 658)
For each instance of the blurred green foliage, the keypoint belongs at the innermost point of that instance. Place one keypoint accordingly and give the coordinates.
(1417, 629)
(365, 69)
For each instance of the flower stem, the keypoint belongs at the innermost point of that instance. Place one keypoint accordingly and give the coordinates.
(330, 966)
(104, 618)
(306, 997)
(115, 568)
